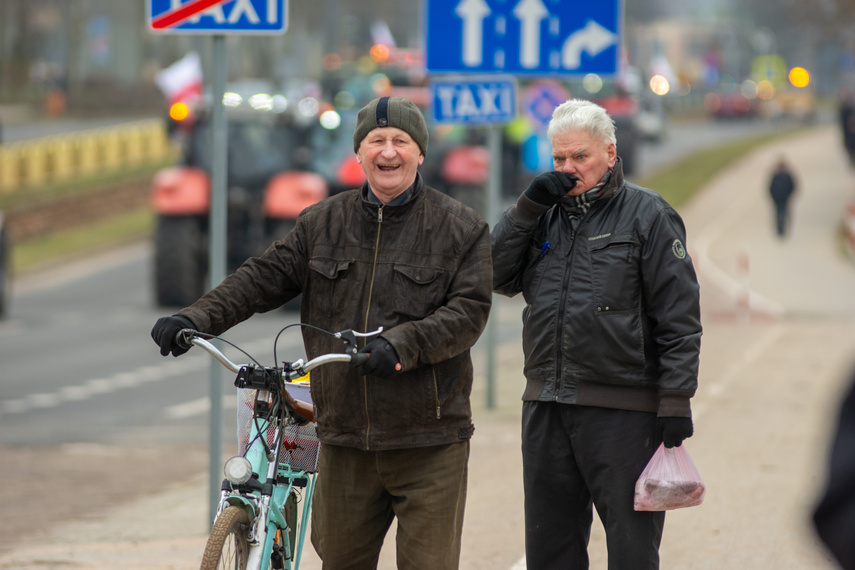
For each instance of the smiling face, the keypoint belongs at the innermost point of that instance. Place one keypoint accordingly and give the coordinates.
(579, 153)
(390, 159)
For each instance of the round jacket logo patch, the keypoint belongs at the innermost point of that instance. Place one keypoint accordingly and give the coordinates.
(678, 249)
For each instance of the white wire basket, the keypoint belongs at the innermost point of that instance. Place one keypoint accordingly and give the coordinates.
(300, 445)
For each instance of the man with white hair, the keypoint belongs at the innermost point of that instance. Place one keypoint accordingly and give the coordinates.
(611, 334)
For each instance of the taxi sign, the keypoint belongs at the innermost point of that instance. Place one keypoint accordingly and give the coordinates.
(236, 17)
(473, 102)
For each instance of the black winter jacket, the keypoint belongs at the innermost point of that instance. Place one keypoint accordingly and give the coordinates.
(421, 270)
(612, 315)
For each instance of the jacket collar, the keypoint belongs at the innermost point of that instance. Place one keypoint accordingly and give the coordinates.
(613, 186)
(409, 195)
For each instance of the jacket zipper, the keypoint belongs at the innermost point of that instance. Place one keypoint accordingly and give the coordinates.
(559, 356)
(436, 393)
(562, 304)
(365, 326)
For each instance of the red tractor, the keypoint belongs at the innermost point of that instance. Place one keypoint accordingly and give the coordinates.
(268, 184)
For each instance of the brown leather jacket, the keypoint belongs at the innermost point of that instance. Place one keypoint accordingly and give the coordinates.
(421, 270)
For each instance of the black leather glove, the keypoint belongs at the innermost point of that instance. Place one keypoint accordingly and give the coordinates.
(164, 332)
(672, 431)
(382, 360)
(548, 188)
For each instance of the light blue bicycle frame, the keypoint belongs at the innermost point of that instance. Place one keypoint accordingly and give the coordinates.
(267, 510)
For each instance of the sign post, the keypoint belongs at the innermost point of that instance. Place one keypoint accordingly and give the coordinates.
(217, 17)
(487, 101)
(217, 254)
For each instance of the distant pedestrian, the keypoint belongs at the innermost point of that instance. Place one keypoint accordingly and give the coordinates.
(782, 187)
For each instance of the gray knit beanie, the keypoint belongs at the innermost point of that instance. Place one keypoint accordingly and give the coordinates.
(391, 112)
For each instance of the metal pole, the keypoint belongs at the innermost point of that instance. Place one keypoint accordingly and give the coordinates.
(217, 256)
(494, 144)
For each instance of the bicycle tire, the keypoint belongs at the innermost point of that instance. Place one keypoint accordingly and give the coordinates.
(227, 545)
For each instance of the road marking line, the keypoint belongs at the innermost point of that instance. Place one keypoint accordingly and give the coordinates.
(197, 407)
(98, 386)
(14, 407)
(128, 379)
(43, 400)
(75, 393)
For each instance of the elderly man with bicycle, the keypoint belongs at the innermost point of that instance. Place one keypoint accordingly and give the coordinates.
(395, 432)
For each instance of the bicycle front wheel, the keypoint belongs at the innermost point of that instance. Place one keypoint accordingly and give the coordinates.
(228, 546)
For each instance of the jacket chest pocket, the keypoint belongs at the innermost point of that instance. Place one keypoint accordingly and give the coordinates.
(538, 258)
(615, 275)
(327, 288)
(418, 291)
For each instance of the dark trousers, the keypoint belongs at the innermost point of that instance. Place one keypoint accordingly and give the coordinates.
(359, 493)
(782, 216)
(578, 456)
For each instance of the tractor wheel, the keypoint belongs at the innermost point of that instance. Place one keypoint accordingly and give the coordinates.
(180, 247)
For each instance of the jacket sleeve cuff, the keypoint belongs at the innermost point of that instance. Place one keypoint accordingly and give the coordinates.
(527, 211)
(674, 406)
(199, 319)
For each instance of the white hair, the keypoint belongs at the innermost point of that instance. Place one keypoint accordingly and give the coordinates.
(581, 115)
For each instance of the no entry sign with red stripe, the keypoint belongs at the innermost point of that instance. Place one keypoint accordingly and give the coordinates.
(218, 16)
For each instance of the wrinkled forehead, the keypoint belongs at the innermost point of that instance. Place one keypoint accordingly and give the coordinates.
(576, 140)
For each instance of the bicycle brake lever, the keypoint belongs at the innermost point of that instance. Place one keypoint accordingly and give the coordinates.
(349, 338)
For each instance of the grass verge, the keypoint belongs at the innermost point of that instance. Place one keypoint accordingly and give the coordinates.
(121, 228)
(680, 181)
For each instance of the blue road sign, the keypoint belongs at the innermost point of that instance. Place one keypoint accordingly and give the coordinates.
(532, 37)
(243, 17)
(540, 99)
(472, 102)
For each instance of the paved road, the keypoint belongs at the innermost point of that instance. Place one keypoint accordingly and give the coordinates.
(778, 346)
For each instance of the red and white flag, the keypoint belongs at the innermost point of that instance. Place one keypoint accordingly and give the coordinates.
(182, 81)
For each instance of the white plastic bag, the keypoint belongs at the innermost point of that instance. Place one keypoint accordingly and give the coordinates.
(670, 481)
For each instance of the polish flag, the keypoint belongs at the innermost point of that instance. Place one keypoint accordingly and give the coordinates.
(182, 81)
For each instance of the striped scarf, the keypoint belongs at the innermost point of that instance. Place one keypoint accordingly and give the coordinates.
(577, 206)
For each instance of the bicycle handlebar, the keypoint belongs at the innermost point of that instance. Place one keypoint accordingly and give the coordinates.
(188, 337)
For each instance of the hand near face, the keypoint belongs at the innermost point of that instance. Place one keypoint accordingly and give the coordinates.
(548, 188)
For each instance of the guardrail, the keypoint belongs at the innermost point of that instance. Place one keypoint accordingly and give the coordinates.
(62, 158)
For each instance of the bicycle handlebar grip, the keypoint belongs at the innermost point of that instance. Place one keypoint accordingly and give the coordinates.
(360, 358)
(182, 338)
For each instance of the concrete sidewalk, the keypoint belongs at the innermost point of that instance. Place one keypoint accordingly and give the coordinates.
(779, 340)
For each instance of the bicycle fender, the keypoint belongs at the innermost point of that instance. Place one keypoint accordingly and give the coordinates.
(239, 501)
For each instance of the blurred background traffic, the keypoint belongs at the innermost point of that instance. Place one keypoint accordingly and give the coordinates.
(91, 98)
